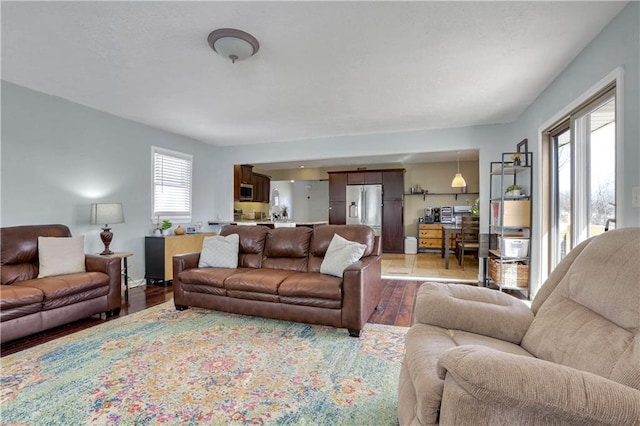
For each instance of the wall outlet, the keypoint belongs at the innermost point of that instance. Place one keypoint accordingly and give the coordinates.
(635, 196)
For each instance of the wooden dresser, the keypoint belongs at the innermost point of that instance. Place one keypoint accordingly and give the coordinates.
(430, 237)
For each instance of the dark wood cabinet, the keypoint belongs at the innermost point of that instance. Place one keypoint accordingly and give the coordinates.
(246, 173)
(393, 185)
(337, 212)
(364, 178)
(393, 211)
(243, 173)
(338, 187)
(393, 226)
(261, 188)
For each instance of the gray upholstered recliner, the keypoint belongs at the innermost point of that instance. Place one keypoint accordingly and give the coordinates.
(476, 356)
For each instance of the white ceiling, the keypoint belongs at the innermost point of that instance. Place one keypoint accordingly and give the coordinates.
(323, 68)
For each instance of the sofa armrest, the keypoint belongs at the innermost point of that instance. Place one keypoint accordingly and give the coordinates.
(362, 289)
(534, 385)
(112, 267)
(474, 309)
(182, 262)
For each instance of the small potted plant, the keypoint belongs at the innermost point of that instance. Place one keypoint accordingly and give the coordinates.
(285, 214)
(162, 226)
(513, 190)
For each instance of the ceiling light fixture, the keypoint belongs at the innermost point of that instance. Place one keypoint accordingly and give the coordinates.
(233, 44)
(458, 181)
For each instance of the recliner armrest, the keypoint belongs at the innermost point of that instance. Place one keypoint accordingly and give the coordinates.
(537, 386)
(474, 309)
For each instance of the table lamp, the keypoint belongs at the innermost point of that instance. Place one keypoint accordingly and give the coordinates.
(106, 213)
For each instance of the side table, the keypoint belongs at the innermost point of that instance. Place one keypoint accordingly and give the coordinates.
(124, 255)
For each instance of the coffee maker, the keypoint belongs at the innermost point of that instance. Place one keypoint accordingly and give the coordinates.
(436, 214)
(428, 215)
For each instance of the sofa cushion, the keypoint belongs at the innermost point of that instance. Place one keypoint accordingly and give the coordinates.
(312, 285)
(219, 252)
(340, 254)
(251, 245)
(17, 301)
(60, 255)
(213, 277)
(19, 250)
(322, 236)
(257, 280)
(287, 248)
(70, 288)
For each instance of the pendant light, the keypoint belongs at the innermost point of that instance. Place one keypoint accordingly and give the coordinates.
(458, 181)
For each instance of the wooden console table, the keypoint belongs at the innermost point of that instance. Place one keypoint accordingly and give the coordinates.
(159, 252)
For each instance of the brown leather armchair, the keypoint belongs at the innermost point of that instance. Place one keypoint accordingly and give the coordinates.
(29, 304)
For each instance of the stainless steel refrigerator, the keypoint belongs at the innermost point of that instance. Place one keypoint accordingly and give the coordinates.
(364, 206)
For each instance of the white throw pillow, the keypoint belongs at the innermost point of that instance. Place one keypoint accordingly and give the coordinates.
(60, 255)
(340, 254)
(220, 252)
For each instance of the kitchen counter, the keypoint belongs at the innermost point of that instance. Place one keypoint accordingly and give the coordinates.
(272, 224)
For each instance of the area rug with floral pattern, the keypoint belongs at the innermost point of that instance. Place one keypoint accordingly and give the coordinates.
(201, 366)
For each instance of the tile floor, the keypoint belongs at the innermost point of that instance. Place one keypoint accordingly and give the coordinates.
(429, 266)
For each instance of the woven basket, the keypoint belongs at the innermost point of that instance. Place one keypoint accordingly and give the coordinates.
(513, 274)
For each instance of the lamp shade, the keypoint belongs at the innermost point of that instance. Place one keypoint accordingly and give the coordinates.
(106, 213)
(458, 181)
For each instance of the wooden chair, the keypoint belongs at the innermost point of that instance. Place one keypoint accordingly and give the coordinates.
(467, 240)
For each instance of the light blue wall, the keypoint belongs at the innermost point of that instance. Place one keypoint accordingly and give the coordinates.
(616, 47)
(58, 157)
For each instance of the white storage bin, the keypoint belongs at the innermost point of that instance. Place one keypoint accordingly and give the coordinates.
(514, 247)
(410, 245)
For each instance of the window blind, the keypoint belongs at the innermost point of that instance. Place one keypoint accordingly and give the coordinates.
(172, 184)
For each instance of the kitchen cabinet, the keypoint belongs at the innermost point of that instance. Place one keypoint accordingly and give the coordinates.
(364, 178)
(261, 188)
(510, 223)
(337, 212)
(338, 187)
(159, 252)
(393, 226)
(242, 173)
(393, 185)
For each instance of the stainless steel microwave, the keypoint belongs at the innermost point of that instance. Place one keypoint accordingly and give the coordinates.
(246, 192)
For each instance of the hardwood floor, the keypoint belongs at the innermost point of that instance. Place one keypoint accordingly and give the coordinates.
(396, 308)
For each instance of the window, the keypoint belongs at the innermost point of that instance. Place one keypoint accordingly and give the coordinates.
(171, 184)
(583, 174)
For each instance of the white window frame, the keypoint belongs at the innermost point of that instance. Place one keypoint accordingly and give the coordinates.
(616, 77)
(176, 217)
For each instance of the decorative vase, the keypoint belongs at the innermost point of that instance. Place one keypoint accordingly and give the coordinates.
(179, 230)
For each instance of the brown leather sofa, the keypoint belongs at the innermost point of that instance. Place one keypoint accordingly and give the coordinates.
(29, 304)
(278, 276)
